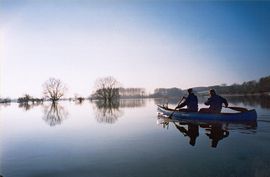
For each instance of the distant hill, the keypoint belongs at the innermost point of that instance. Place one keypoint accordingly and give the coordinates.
(167, 92)
(200, 89)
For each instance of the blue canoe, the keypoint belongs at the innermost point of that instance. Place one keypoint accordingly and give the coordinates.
(249, 115)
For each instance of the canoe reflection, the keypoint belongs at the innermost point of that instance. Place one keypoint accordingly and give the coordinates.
(215, 131)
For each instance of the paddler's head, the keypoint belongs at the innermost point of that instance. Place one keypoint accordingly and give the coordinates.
(189, 90)
(212, 92)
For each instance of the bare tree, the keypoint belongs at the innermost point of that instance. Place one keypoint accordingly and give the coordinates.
(54, 89)
(78, 99)
(107, 89)
(25, 98)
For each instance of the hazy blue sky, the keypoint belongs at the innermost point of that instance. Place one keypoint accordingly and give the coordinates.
(146, 44)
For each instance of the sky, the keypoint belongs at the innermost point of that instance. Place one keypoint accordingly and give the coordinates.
(141, 43)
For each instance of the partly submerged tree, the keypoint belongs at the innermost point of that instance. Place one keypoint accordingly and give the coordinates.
(106, 89)
(78, 99)
(28, 98)
(54, 89)
(24, 98)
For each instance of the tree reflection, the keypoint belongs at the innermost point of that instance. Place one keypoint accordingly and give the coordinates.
(4, 105)
(54, 114)
(27, 106)
(131, 103)
(262, 100)
(107, 112)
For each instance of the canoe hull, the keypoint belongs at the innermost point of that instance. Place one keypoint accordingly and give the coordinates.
(249, 115)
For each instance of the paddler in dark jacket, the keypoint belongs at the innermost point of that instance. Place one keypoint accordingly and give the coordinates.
(191, 101)
(215, 102)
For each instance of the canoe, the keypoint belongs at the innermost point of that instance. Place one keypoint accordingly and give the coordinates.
(249, 115)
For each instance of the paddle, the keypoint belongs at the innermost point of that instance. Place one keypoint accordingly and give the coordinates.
(240, 109)
(176, 107)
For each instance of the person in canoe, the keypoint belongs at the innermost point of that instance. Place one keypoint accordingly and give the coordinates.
(191, 101)
(215, 102)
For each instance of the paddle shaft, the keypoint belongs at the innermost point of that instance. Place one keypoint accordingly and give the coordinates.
(176, 107)
(240, 109)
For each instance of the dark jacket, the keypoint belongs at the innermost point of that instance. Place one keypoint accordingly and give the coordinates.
(191, 102)
(215, 103)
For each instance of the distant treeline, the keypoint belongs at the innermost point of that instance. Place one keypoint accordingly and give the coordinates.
(251, 87)
(167, 92)
(108, 89)
(132, 92)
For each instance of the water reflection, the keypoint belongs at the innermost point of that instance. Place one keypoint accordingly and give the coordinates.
(4, 105)
(27, 106)
(54, 114)
(262, 100)
(175, 100)
(107, 112)
(131, 103)
(215, 131)
(252, 101)
(192, 131)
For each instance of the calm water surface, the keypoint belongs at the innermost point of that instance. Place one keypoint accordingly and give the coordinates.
(128, 139)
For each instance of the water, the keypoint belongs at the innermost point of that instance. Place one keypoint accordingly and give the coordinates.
(128, 139)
